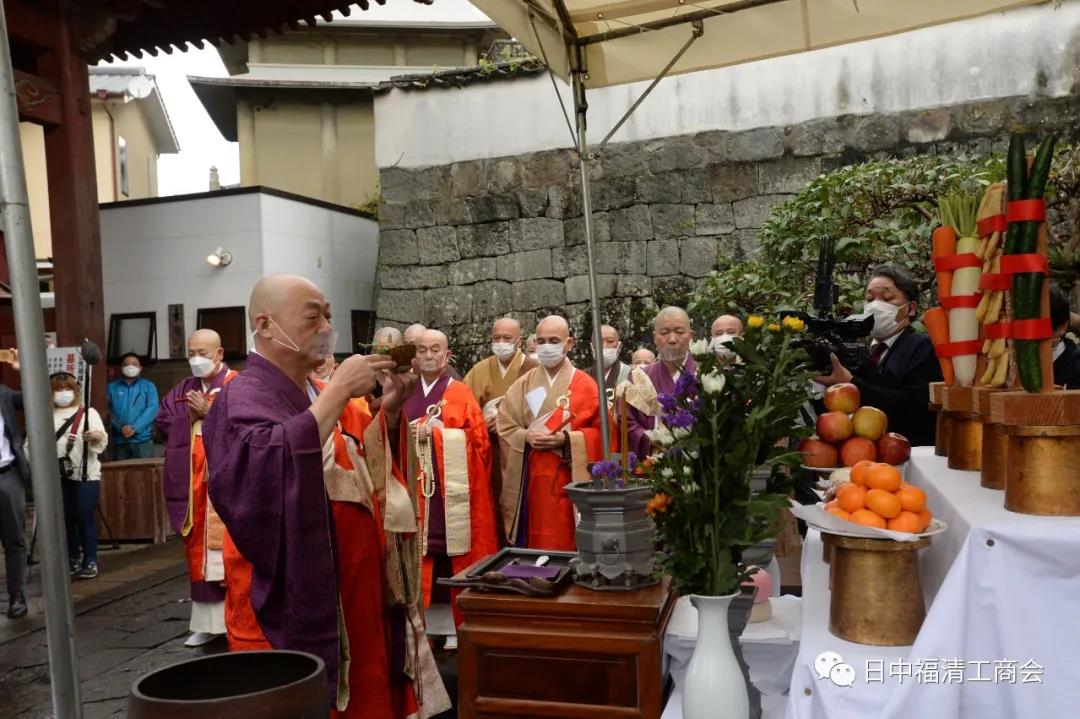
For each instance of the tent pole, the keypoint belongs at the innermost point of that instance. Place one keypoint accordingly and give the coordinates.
(37, 398)
(581, 109)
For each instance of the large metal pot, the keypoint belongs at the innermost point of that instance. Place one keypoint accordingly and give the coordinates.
(253, 685)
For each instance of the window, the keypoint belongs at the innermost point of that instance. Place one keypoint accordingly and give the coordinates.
(231, 324)
(122, 160)
(135, 332)
(363, 329)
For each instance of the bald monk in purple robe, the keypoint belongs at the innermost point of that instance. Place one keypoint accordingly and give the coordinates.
(265, 437)
(672, 335)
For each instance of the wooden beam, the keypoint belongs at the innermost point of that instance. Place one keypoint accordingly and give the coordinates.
(73, 204)
(38, 99)
(29, 25)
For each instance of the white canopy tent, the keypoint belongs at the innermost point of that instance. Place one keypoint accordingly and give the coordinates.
(598, 43)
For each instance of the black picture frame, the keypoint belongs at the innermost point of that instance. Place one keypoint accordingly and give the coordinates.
(119, 344)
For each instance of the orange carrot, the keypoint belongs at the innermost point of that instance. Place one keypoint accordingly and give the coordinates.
(944, 245)
(937, 326)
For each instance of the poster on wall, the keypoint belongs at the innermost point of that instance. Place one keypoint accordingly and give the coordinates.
(66, 359)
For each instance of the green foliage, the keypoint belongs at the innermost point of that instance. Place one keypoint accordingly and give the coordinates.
(743, 413)
(879, 212)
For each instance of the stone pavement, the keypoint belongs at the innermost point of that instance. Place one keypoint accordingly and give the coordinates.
(130, 620)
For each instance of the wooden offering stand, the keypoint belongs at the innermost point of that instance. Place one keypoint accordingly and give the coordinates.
(581, 653)
(965, 429)
(941, 433)
(995, 442)
(1043, 471)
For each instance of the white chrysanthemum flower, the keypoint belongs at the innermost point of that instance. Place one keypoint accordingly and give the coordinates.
(693, 454)
(700, 348)
(714, 382)
(687, 471)
(667, 472)
(680, 432)
(662, 436)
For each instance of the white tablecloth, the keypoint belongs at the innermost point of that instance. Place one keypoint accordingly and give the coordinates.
(1003, 592)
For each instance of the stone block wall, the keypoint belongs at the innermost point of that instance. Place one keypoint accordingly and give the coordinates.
(465, 243)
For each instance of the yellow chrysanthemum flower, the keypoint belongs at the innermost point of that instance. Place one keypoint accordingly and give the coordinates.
(773, 327)
(755, 321)
(794, 324)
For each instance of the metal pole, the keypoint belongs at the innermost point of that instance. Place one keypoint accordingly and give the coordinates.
(581, 109)
(30, 330)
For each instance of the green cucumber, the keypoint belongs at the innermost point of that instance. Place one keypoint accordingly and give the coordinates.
(1027, 287)
(1016, 187)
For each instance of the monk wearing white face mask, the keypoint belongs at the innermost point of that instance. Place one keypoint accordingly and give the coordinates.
(190, 512)
(902, 361)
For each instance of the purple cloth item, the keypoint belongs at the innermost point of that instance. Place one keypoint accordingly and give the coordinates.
(174, 423)
(266, 483)
(637, 421)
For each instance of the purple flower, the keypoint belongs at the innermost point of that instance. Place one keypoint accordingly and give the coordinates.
(668, 402)
(606, 469)
(686, 385)
(683, 419)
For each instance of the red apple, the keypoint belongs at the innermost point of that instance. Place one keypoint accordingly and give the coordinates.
(818, 453)
(856, 450)
(834, 427)
(893, 449)
(842, 397)
(870, 422)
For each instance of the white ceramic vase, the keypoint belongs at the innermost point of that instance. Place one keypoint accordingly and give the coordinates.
(714, 687)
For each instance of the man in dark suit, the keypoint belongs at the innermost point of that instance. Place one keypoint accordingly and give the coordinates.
(14, 479)
(1066, 353)
(902, 364)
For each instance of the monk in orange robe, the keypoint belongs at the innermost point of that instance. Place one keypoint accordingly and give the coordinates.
(450, 459)
(307, 562)
(549, 430)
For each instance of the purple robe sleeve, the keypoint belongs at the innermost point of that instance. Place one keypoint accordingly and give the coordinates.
(174, 423)
(266, 482)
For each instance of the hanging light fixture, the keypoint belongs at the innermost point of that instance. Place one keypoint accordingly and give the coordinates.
(219, 258)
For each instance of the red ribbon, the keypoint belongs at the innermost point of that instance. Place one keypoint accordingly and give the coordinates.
(1025, 211)
(958, 349)
(960, 302)
(956, 262)
(1020, 264)
(1039, 329)
(995, 281)
(998, 331)
(989, 225)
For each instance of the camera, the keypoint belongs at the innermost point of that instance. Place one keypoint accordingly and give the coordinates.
(844, 338)
(827, 335)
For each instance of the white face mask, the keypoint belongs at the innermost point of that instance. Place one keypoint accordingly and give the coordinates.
(64, 398)
(722, 342)
(672, 354)
(503, 350)
(430, 364)
(321, 345)
(130, 371)
(550, 355)
(884, 313)
(201, 367)
(534, 357)
(611, 355)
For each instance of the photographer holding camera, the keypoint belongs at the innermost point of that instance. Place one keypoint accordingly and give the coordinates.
(80, 440)
(902, 362)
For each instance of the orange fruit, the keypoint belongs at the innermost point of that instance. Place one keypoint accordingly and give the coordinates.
(911, 498)
(851, 497)
(883, 476)
(858, 472)
(838, 512)
(867, 518)
(925, 517)
(905, 522)
(831, 504)
(883, 503)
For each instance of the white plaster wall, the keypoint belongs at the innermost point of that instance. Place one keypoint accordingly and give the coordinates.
(336, 250)
(1027, 51)
(154, 255)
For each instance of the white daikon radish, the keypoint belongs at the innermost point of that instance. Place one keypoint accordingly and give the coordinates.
(963, 321)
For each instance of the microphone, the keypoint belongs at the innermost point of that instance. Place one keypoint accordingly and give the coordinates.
(90, 352)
